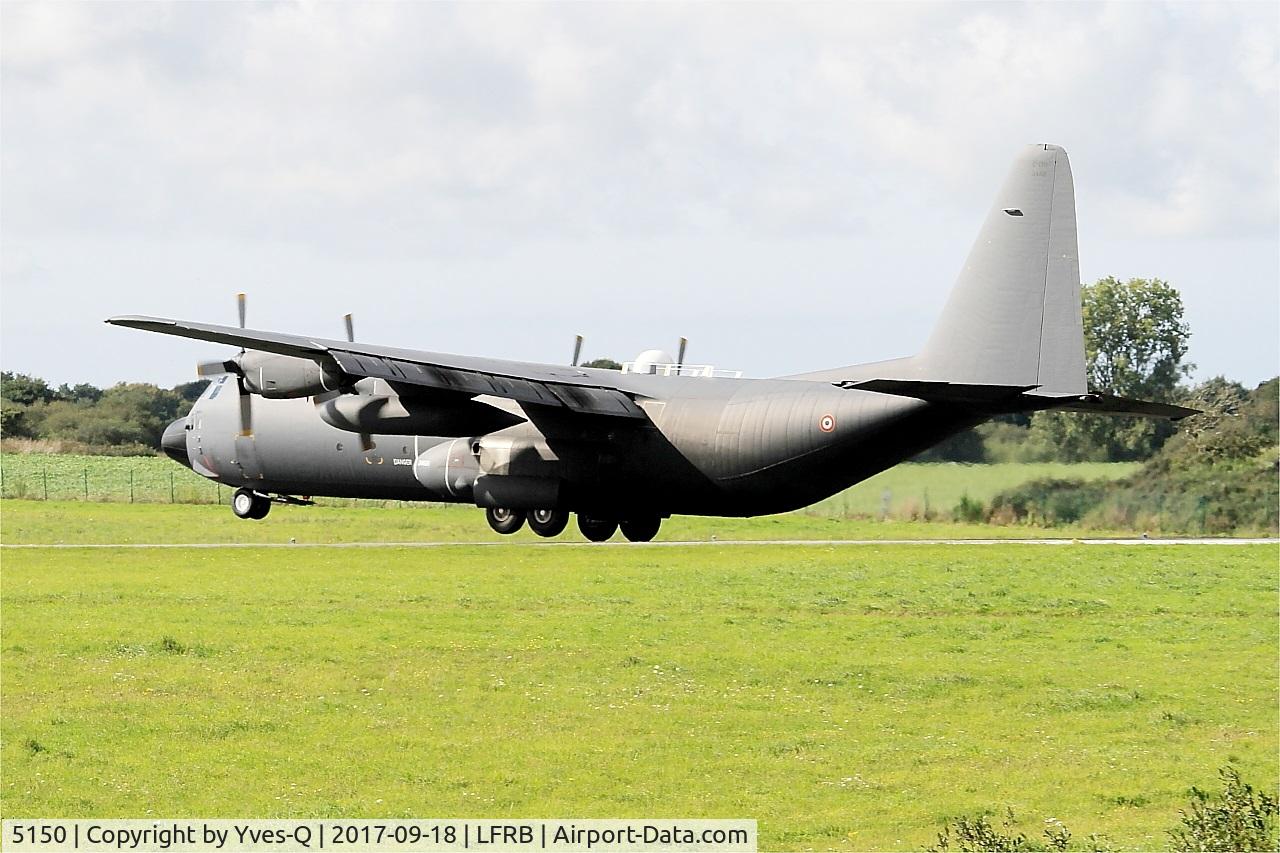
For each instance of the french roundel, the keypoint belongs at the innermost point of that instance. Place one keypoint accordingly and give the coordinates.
(827, 423)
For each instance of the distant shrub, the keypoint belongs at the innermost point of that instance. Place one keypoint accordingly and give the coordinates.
(969, 510)
(973, 834)
(1241, 819)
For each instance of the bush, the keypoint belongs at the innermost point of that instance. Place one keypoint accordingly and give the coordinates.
(969, 510)
(1241, 819)
(977, 834)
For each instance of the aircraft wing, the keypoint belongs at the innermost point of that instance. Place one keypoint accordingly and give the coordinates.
(577, 389)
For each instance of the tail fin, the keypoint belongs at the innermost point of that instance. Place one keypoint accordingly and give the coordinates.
(1013, 317)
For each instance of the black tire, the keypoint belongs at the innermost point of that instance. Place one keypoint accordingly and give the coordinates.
(595, 529)
(641, 529)
(263, 507)
(548, 522)
(246, 504)
(503, 520)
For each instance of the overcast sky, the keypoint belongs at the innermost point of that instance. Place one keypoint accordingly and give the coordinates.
(793, 187)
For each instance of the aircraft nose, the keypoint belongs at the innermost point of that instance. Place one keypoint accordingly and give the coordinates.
(174, 442)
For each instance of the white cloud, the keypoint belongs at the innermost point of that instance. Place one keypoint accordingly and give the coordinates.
(423, 134)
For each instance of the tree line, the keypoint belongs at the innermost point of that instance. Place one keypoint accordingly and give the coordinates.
(128, 417)
(1135, 345)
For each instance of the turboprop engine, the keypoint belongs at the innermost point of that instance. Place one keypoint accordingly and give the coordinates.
(280, 377)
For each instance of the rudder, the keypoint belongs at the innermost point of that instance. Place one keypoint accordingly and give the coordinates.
(1013, 317)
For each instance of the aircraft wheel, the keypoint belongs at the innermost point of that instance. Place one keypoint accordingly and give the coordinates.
(548, 522)
(503, 520)
(595, 529)
(641, 529)
(246, 503)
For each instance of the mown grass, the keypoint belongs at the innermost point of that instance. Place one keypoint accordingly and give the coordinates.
(847, 697)
(78, 522)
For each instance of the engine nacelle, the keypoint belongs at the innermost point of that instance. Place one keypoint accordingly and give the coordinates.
(387, 415)
(449, 469)
(457, 469)
(280, 377)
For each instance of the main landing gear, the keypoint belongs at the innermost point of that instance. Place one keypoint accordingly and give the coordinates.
(552, 522)
(548, 522)
(504, 520)
(634, 529)
(246, 503)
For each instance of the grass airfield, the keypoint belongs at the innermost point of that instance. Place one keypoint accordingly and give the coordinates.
(847, 697)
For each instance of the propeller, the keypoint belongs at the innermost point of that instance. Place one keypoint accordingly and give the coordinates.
(366, 440)
(684, 342)
(232, 365)
(577, 349)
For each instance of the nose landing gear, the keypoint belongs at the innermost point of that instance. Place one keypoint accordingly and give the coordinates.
(246, 503)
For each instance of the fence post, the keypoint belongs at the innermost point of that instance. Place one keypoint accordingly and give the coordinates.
(130, 485)
(171, 500)
(45, 472)
(86, 484)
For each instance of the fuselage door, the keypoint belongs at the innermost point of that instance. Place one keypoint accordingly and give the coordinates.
(247, 457)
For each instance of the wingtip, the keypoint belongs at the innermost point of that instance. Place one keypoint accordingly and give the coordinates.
(137, 321)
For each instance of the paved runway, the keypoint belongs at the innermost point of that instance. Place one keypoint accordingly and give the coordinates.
(670, 544)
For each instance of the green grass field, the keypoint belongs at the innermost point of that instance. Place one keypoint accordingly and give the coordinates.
(903, 492)
(79, 522)
(847, 697)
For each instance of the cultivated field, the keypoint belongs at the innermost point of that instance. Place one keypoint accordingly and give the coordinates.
(845, 696)
(907, 491)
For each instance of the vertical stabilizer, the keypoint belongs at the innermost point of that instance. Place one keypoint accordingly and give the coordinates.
(1013, 317)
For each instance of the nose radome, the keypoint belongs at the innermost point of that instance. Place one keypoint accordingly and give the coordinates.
(174, 442)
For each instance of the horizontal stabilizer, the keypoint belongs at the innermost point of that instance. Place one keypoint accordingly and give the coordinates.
(940, 392)
(1106, 404)
(994, 399)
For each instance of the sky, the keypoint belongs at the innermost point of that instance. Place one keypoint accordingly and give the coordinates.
(792, 187)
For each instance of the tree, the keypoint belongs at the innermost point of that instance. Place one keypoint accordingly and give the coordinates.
(1135, 338)
(1135, 342)
(606, 363)
(82, 393)
(24, 389)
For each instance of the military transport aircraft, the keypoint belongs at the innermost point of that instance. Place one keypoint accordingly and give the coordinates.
(292, 416)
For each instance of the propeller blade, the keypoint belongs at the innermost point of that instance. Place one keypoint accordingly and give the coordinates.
(246, 408)
(240, 307)
(684, 342)
(351, 331)
(577, 349)
(366, 442)
(216, 368)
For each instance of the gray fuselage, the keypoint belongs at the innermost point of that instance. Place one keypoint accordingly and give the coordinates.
(710, 446)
